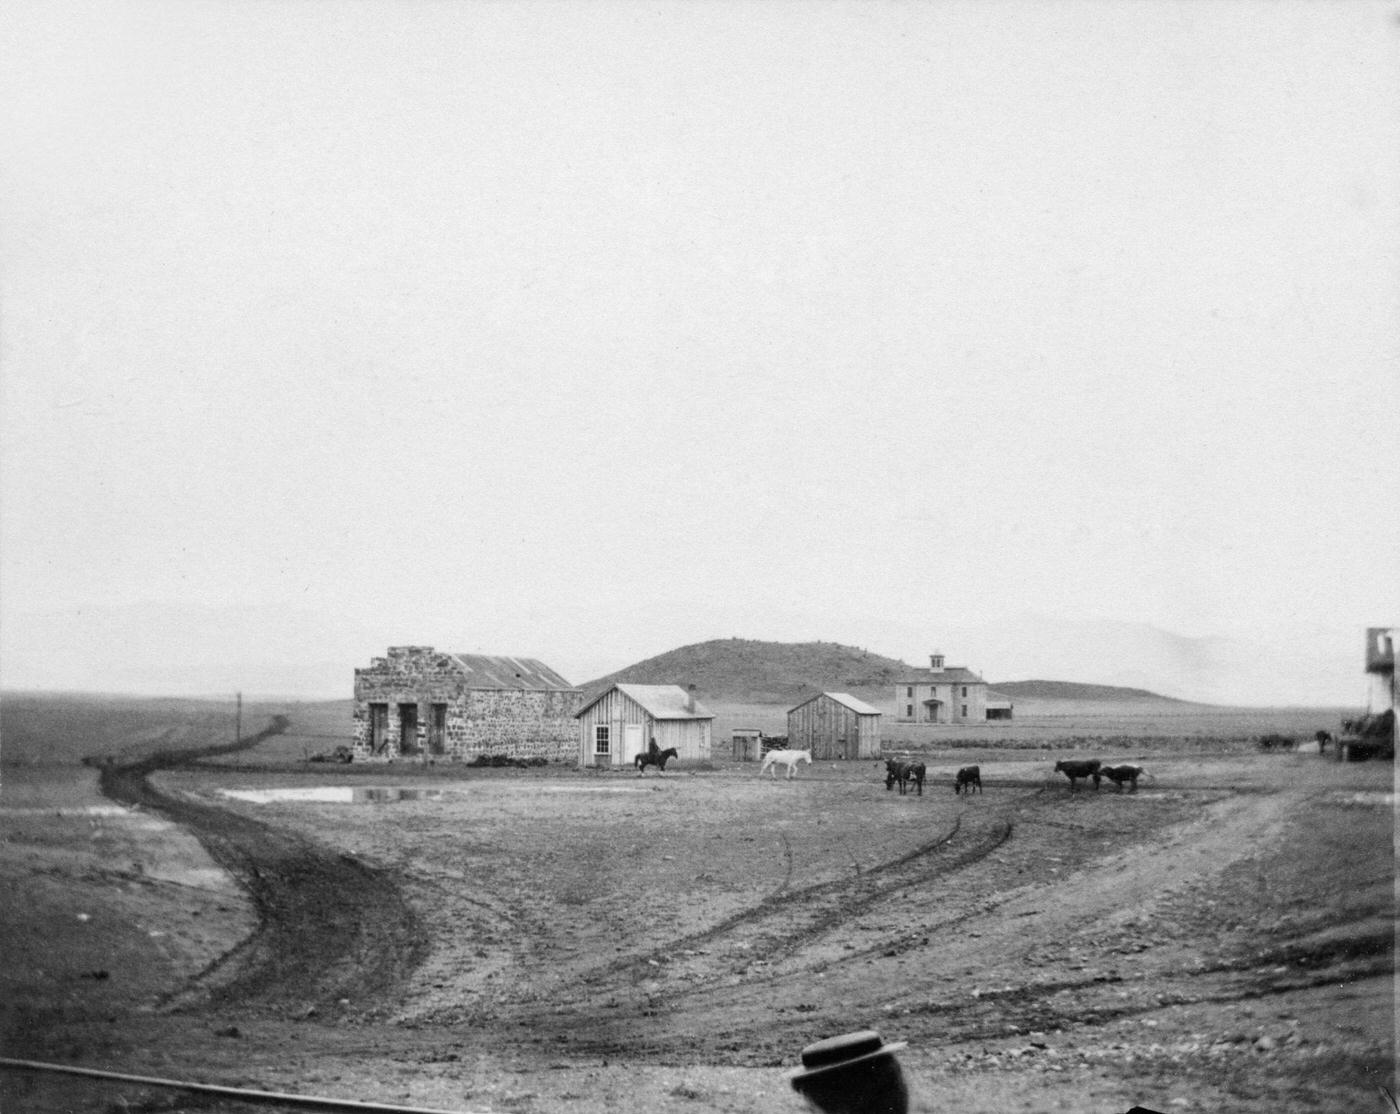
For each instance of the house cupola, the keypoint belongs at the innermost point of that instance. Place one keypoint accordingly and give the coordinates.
(936, 662)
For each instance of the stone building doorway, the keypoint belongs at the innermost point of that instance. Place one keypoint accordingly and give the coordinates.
(437, 730)
(378, 727)
(408, 728)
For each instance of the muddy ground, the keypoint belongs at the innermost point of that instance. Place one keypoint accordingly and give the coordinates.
(553, 939)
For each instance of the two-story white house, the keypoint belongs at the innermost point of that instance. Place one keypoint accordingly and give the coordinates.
(945, 694)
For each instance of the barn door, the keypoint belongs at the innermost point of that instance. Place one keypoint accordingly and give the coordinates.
(632, 743)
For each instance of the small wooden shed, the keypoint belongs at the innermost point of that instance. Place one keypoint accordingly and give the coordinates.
(618, 724)
(747, 743)
(835, 725)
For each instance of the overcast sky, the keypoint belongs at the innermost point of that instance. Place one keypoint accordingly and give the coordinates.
(587, 330)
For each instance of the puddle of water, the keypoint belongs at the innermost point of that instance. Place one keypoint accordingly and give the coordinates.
(340, 794)
(1385, 800)
(374, 794)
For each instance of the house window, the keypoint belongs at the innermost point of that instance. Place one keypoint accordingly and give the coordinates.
(908, 711)
(601, 744)
(964, 694)
(909, 691)
(964, 711)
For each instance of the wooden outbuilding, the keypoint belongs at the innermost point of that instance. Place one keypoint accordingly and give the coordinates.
(618, 724)
(835, 725)
(747, 743)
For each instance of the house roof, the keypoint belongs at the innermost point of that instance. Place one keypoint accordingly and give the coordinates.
(658, 701)
(845, 698)
(957, 675)
(494, 671)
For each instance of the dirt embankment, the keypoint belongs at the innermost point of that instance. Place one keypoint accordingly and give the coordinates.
(331, 930)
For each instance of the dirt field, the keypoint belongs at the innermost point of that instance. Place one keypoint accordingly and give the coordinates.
(553, 939)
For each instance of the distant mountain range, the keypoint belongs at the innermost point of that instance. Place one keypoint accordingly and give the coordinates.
(746, 671)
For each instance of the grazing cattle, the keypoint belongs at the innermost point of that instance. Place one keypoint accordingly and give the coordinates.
(969, 777)
(1119, 774)
(788, 758)
(1076, 770)
(901, 773)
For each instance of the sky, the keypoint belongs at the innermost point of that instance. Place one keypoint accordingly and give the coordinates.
(585, 331)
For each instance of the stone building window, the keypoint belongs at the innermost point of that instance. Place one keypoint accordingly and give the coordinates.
(601, 742)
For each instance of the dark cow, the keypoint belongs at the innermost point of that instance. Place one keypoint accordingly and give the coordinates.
(1119, 774)
(969, 777)
(1076, 770)
(901, 773)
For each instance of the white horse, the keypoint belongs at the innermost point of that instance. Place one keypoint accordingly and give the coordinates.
(788, 758)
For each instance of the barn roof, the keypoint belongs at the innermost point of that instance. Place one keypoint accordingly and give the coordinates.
(859, 706)
(997, 699)
(658, 701)
(957, 675)
(494, 671)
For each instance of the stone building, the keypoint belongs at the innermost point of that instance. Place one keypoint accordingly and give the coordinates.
(417, 702)
(943, 694)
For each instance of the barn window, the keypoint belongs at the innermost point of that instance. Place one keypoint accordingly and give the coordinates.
(601, 745)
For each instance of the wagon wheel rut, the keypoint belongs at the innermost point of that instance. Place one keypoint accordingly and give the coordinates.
(781, 937)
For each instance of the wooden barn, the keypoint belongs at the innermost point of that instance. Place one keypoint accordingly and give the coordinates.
(617, 725)
(835, 725)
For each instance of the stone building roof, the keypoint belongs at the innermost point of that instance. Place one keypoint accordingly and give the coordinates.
(492, 671)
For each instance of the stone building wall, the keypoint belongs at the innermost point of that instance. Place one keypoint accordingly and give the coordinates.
(519, 723)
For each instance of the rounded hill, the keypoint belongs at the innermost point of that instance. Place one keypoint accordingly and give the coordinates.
(748, 671)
